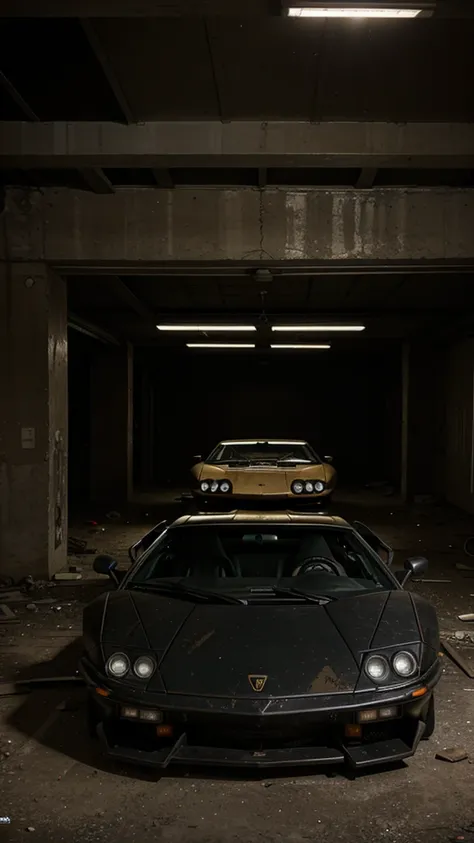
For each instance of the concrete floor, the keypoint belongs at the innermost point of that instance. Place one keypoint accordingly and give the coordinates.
(53, 780)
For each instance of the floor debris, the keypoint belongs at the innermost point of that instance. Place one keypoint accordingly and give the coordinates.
(453, 755)
(458, 659)
(468, 617)
(5, 613)
(23, 686)
(432, 581)
(67, 576)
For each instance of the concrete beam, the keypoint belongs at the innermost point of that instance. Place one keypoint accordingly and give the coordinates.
(136, 227)
(236, 144)
(96, 180)
(17, 98)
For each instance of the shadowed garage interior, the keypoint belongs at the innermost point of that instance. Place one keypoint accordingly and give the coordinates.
(224, 164)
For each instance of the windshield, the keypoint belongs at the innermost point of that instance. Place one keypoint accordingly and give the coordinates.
(262, 452)
(249, 558)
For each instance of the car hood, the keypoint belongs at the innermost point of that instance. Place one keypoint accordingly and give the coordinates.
(262, 479)
(217, 650)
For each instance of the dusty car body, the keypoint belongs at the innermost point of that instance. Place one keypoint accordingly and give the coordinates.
(263, 472)
(260, 640)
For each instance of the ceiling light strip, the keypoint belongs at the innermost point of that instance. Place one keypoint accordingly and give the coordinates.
(355, 12)
(301, 347)
(321, 328)
(206, 328)
(219, 345)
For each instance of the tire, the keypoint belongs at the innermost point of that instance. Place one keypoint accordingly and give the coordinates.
(430, 721)
(93, 717)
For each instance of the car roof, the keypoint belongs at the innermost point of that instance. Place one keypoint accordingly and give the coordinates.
(245, 517)
(266, 441)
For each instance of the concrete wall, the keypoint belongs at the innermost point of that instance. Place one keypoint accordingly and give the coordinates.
(33, 421)
(139, 225)
(459, 425)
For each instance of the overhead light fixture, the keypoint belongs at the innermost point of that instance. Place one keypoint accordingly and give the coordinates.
(219, 345)
(368, 9)
(321, 328)
(207, 328)
(303, 347)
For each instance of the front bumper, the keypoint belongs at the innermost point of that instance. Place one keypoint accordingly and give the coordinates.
(248, 738)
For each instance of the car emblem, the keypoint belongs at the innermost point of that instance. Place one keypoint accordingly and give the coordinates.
(257, 682)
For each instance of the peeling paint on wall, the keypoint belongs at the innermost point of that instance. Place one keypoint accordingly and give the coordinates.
(295, 206)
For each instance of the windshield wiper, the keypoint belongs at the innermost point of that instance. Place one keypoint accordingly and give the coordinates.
(321, 599)
(178, 590)
(239, 461)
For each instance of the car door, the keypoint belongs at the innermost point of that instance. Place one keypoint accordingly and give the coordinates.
(382, 549)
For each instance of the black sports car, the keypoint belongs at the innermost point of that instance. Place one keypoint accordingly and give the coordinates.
(260, 640)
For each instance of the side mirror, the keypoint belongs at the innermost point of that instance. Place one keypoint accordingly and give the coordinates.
(106, 565)
(328, 459)
(414, 566)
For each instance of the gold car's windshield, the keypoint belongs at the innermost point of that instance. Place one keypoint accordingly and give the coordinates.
(263, 452)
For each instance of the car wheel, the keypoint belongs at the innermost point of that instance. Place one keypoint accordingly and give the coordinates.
(430, 721)
(93, 717)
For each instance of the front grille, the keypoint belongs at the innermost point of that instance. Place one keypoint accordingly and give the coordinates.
(239, 733)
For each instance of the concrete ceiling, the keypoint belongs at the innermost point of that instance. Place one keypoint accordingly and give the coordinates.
(226, 68)
(392, 305)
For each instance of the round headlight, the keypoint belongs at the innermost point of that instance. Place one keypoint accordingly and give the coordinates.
(143, 667)
(117, 665)
(308, 487)
(404, 664)
(319, 486)
(225, 486)
(204, 486)
(376, 668)
(297, 487)
(214, 486)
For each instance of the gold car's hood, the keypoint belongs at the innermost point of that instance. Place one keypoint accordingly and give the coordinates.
(262, 480)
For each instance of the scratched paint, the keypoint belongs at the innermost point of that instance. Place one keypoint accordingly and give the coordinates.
(296, 220)
(201, 641)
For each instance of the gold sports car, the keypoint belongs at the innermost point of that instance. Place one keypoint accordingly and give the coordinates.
(263, 471)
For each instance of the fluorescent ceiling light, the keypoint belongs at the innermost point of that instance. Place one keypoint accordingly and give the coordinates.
(206, 328)
(303, 347)
(353, 12)
(219, 345)
(321, 328)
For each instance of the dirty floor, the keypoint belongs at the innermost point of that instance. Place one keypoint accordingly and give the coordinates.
(54, 782)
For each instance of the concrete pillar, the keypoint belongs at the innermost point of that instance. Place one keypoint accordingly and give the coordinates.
(112, 426)
(422, 420)
(33, 420)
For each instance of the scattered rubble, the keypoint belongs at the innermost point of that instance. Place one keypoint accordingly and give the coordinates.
(453, 755)
(32, 607)
(459, 659)
(67, 576)
(6, 615)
